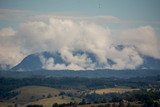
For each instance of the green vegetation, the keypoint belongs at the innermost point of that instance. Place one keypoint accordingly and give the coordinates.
(32, 93)
(80, 92)
(34, 106)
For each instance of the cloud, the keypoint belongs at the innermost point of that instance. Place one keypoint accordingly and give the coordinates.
(68, 36)
(10, 51)
(143, 38)
(25, 15)
(15, 14)
(50, 65)
(7, 32)
(95, 19)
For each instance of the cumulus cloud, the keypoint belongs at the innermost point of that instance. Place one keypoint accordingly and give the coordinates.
(68, 36)
(143, 38)
(50, 65)
(7, 32)
(10, 52)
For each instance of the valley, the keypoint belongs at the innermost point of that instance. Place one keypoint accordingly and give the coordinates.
(78, 91)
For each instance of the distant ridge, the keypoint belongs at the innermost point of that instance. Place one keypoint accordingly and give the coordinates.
(106, 73)
(33, 61)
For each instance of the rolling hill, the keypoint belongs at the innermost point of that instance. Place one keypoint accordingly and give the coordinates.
(33, 93)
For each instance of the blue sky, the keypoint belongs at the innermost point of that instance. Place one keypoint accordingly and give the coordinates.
(130, 9)
(141, 12)
(126, 9)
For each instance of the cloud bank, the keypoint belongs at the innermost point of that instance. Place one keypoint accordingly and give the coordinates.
(124, 48)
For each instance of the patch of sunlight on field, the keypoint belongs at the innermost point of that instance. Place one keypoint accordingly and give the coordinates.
(48, 102)
(114, 90)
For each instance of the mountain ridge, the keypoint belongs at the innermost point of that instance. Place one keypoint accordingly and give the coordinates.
(34, 62)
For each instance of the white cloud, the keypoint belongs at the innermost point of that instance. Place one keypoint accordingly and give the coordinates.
(95, 19)
(10, 51)
(67, 36)
(143, 38)
(7, 32)
(128, 58)
(50, 65)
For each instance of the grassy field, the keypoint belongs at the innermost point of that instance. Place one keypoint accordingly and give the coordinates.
(133, 104)
(6, 104)
(33, 93)
(114, 90)
(48, 102)
(40, 95)
(47, 96)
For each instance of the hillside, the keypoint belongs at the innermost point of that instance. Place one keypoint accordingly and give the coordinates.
(33, 93)
(41, 95)
(47, 91)
(48, 102)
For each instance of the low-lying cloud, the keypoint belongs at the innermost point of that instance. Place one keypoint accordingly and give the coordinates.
(67, 36)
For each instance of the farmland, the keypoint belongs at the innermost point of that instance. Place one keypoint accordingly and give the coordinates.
(81, 92)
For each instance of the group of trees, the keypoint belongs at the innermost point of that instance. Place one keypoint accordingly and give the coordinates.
(8, 84)
(113, 104)
(145, 97)
(34, 105)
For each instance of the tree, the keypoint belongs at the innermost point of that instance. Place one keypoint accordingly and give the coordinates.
(156, 104)
(121, 104)
(82, 102)
(62, 97)
(43, 96)
(108, 105)
(129, 105)
(34, 105)
(114, 105)
(49, 96)
(55, 105)
(16, 105)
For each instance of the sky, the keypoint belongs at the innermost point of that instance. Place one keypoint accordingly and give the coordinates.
(25, 24)
(144, 11)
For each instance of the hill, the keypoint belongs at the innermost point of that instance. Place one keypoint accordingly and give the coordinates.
(84, 73)
(48, 102)
(32, 93)
(40, 95)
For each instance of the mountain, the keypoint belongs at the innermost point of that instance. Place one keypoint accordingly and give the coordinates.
(150, 63)
(34, 61)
